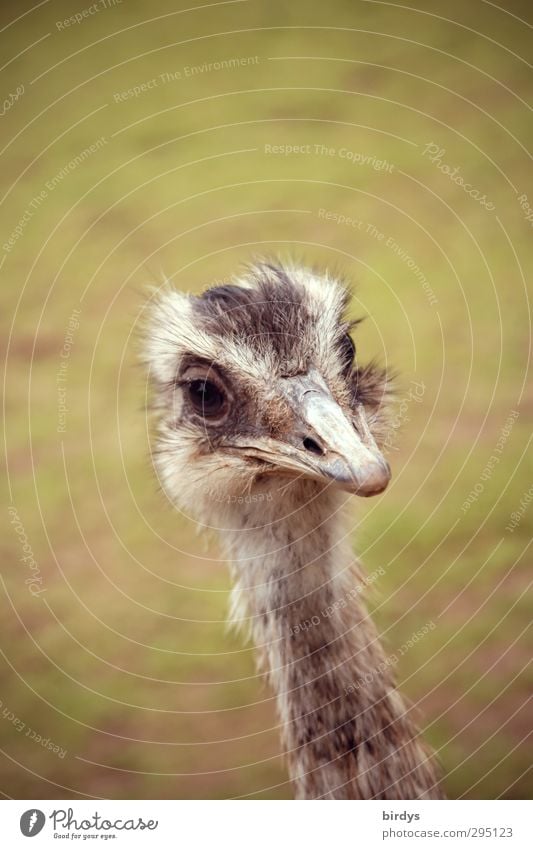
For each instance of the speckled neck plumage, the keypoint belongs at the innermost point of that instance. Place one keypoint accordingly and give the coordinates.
(345, 727)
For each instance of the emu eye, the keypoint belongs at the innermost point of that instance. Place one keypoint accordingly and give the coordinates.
(347, 352)
(205, 397)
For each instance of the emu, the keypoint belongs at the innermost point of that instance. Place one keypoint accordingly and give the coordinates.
(264, 420)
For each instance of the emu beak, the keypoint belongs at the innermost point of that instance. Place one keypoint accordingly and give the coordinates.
(322, 442)
(338, 450)
(328, 444)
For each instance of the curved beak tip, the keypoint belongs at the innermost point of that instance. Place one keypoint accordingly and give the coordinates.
(367, 480)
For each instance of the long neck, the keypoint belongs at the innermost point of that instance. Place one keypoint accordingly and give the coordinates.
(346, 730)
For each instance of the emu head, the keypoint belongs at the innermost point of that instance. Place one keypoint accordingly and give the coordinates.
(257, 383)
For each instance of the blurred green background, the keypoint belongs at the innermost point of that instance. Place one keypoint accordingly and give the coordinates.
(121, 657)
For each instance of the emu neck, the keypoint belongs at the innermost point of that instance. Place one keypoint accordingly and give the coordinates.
(299, 590)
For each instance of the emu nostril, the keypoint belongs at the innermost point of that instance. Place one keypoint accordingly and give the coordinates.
(312, 446)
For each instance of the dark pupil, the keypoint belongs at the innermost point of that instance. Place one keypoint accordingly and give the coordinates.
(205, 397)
(347, 351)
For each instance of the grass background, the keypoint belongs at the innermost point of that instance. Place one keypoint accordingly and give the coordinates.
(124, 659)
